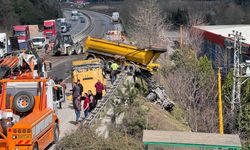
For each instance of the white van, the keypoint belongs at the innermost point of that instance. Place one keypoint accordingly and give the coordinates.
(74, 15)
(115, 16)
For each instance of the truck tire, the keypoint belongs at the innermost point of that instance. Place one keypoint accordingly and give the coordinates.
(69, 51)
(56, 133)
(91, 56)
(79, 50)
(23, 101)
(151, 96)
(131, 68)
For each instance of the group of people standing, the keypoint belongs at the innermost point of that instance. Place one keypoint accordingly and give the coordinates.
(90, 100)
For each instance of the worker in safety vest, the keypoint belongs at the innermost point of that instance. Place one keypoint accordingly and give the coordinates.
(114, 70)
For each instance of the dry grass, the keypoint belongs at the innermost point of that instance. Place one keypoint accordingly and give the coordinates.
(160, 119)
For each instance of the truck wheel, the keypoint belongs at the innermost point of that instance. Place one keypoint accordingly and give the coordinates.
(69, 51)
(151, 96)
(23, 101)
(131, 68)
(56, 133)
(91, 56)
(78, 50)
(35, 147)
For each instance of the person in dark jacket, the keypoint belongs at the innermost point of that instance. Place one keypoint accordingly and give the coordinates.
(75, 91)
(99, 91)
(76, 101)
(77, 108)
(80, 86)
(91, 100)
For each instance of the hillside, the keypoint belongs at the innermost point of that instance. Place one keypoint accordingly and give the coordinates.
(160, 119)
(26, 12)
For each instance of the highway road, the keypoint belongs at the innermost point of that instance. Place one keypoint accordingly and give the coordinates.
(101, 22)
(62, 66)
(76, 26)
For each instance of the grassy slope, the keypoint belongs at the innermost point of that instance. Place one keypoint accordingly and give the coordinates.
(160, 119)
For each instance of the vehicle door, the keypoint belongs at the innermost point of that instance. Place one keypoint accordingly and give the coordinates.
(58, 95)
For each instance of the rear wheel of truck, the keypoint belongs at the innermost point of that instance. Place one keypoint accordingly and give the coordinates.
(78, 50)
(23, 101)
(69, 50)
(56, 133)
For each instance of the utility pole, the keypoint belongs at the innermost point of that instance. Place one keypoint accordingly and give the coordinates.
(235, 103)
(221, 129)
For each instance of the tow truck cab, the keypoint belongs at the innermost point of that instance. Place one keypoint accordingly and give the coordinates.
(28, 117)
(22, 33)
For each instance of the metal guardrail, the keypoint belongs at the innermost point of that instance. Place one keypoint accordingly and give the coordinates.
(83, 34)
(95, 114)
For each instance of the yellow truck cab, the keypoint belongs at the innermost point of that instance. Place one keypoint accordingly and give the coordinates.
(88, 72)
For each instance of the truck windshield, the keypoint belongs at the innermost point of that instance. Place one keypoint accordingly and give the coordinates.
(48, 27)
(2, 45)
(74, 14)
(66, 39)
(19, 33)
(38, 40)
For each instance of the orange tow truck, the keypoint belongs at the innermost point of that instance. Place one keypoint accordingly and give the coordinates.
(28, 119)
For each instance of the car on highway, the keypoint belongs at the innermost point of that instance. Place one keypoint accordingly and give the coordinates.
(39, 42)
(74, 15)
(68, 24)
(82, 19)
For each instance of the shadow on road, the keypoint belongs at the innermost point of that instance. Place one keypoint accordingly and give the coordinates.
(73, 122)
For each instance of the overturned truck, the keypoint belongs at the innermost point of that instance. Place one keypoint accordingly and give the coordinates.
(138, 61)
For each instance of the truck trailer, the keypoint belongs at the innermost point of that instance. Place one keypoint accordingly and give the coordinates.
(135, 58)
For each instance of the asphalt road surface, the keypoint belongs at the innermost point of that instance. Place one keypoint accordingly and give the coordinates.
(76, 25)
(102, 23)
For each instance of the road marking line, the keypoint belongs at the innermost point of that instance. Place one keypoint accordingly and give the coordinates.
(67, 78)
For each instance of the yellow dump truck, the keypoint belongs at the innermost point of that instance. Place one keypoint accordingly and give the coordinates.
(88, 72)
(142, 58)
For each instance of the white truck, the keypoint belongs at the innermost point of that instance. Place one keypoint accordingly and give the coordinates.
(115, 17)
(3, 44)
(74, 15)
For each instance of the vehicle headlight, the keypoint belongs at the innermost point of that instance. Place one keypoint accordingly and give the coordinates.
(14, 136)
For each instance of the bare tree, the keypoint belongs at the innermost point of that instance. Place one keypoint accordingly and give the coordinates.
(193, 40)
(195, 91)
(148, 26)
